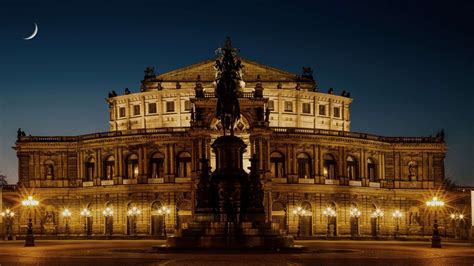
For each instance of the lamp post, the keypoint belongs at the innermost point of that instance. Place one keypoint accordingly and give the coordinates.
(435, 204)
(299, 211)
(355, 214)
(164, 211)
(397, 215)
(133, 213)
(456, 218)
(8, 216)
(85, 213)
(329, 213)
(378, 214)
(67, 214)
(108, 214)
(30, 203)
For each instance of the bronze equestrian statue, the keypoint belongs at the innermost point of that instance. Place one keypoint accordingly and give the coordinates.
(228, 68)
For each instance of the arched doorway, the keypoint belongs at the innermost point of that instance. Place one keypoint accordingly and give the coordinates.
(90, 169)
(108, 168)
(329, 166)
(352, 168)
(279, 215)
(131, 166)
(331, 216)
(183, 165)
(306, 220)
(88, 219)
(108, 213)
(354, 220)
(184, 216)
(374, 220)
(157, 228)
(304, 166)
(156, 165)
(277, 165)
(129, 220)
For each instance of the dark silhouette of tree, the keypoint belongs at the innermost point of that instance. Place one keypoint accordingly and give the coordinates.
(449, 183)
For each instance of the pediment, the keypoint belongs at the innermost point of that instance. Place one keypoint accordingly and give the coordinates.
(251, 71)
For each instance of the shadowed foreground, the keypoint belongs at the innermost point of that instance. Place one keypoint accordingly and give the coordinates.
(140, 252)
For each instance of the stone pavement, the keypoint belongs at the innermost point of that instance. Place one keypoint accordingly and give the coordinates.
(140, 252)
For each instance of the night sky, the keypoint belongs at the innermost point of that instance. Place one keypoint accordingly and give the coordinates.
(408, 64)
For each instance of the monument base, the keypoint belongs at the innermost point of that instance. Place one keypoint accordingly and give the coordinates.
(228, 235)
(436, 242)
(29, 241)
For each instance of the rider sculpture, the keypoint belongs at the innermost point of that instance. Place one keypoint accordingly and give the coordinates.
(228, 68)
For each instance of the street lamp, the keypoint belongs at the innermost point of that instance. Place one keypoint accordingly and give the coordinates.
(30, 203)
(456, 218)
(377, 214)
(108, 214)
(164, 211)
(8, 216)
(133, 213)
(299, 211)
(435, 204)
(397, 215)
(86, 214)
(329, 213)
(355, 214)
(67, 214)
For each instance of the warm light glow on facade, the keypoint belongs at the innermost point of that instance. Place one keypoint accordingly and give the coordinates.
(435, 202)
(8, 213)
(30, 202)
(377, 213)
(134, 211)
(330, 212)
(299, 211)
(108, 212)
(397, 214)
(86, 213)
(355, 212)
(67, 213)
(164, 210)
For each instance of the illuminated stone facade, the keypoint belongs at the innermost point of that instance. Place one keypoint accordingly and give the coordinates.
(307, 156)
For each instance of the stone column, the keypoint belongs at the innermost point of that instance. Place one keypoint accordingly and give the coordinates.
(141, 165)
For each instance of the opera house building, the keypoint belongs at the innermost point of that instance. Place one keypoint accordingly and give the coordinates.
(319, 178)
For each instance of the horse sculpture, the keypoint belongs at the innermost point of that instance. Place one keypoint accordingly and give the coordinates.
(228, 75)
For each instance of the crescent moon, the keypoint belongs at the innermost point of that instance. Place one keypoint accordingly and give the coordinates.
(34, 33)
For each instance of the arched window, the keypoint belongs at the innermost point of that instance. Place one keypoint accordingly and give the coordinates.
(277, 162)
(131, 166)
(109, 168)
(156, 165)
(49, 170)
(372, 170)
(90, 169)
(304, 166)
(352, 172)
(329, 166)
(183, 165)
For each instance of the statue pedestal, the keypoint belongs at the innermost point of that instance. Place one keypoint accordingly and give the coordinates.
(230, 213)
(228, 235)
